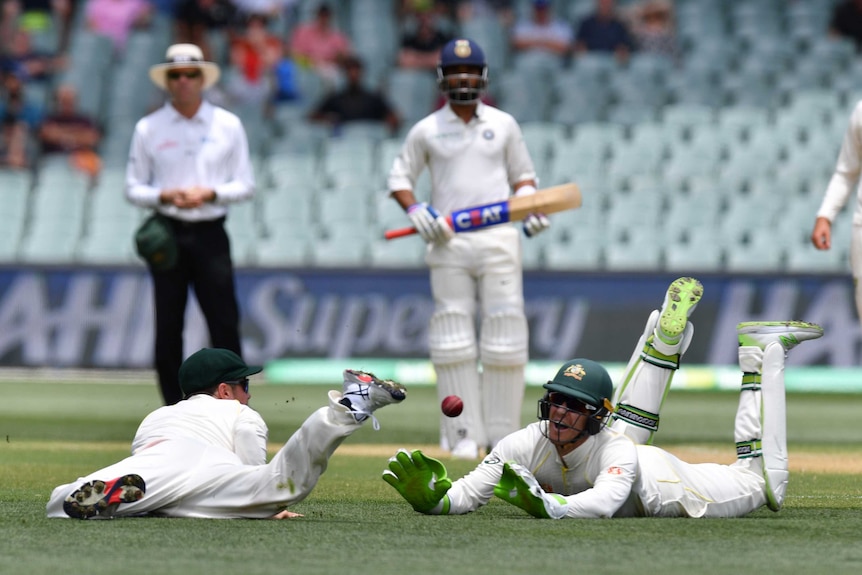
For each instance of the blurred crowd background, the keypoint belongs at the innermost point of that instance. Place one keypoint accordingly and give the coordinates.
(702, 132)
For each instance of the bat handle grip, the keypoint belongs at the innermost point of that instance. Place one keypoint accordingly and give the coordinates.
(399, 233)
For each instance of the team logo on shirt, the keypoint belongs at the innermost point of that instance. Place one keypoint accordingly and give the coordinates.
(488, 134)
(167, 144)
(614, 470)
(577, 371)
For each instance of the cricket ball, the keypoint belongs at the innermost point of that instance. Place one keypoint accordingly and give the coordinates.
(452, 406)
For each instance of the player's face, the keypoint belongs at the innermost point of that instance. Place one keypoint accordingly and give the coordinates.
(185, 85)
(567, 419)
(463, 84)
(240, 390)
(463, 77)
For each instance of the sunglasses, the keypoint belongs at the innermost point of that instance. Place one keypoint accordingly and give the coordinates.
(191, 74)
(571, 403)
(241, 382)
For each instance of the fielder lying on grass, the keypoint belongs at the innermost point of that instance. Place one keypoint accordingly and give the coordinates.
(589, 455)
(206, 455)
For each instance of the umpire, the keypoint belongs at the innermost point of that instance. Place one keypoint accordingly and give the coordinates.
(188, 160)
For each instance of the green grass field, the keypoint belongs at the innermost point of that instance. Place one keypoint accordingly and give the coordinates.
(355, 523)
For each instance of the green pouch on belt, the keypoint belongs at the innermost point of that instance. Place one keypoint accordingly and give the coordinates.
(156, 244)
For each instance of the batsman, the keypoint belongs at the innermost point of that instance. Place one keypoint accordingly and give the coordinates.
(475, 155)
(590, 454)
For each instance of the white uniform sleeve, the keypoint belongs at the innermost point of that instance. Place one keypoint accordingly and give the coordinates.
(139, 171)
(410, 162)
(519, 164)
(477, 487)
(846, 174)
(241, 185)
(611, 488)
(250, 436)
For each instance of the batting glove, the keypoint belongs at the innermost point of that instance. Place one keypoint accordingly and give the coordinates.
(429, 223)
(421, 480)
(536, 223)
(518, 486)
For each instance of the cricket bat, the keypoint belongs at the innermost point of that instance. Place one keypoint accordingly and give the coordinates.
(516, 208)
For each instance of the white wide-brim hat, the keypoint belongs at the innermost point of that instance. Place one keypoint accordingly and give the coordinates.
(184, 56)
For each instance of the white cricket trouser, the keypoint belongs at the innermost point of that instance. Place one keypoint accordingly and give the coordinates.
(186, 478)
(670, 487)
(479, 271)
(856, 266)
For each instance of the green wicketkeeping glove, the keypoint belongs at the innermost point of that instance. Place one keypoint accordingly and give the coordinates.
(518, 486)
(420, 479)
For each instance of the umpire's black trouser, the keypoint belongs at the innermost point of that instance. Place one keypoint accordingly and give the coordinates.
(204, 263)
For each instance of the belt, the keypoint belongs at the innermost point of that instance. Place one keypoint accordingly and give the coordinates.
(183, 224)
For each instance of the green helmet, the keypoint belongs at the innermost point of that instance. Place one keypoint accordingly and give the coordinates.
(587, 381)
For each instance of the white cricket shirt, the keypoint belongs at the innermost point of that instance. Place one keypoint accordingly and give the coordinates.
(209, 150)
(220, 422)
(469, 164)
(846, 175)
(597, 478)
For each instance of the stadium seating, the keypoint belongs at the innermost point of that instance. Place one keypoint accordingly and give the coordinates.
(693, 157)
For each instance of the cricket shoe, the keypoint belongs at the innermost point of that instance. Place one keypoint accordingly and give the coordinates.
(363, 393)
(466, 448)
(787, 333)
(101, 498)
(681, 298)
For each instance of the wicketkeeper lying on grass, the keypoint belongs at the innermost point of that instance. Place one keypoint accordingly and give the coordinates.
(206, 455)
(573, 462)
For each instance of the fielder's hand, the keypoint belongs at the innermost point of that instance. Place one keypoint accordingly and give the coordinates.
(518, 486)
(536, 223)
(420, 479)
(429, 223)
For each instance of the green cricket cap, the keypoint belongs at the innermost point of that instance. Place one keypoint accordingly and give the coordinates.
(211, 366)
(584, 379)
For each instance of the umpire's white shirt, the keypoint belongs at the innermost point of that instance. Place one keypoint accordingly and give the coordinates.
(209, 150)
(214, 422)
(469, 164)
(847, 169)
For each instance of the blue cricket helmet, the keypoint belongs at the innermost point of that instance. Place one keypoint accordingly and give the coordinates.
(462, 87)
(462, 51)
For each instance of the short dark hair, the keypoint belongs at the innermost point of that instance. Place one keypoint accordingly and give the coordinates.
(211, 390)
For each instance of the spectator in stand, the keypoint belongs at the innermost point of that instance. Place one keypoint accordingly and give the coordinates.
(19, 118)
(846, 21)
(194, 19)
(25, 62)
(654, 29)
(421, 45)
(502, 10)
(542, 34)
(117, 18)
(604, 31)
(319, 45)
(69, 131)
(355, 102)
(268, 8)
(37, 16)
(13, 142)
(254, 53)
